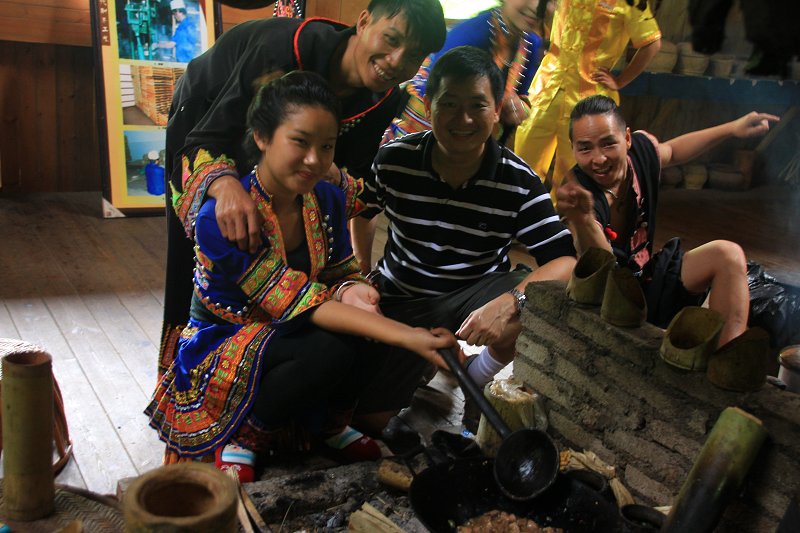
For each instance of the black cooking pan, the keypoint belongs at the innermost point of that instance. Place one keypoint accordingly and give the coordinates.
(445, 496)
(527, 461)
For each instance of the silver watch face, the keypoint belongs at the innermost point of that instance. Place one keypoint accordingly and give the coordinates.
(521, 298)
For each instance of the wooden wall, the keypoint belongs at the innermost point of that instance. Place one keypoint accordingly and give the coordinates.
(343, 10)
(48, 138)
(46, 21)
(48, 134)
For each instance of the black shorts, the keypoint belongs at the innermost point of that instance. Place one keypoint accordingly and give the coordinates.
(663, 287)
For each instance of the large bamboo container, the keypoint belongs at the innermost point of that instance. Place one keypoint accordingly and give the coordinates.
(29, 487)
(717, 473)
(181, 498)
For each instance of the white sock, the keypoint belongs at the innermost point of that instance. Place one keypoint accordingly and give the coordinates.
(344, 439)
(484, 367)
(232, 453)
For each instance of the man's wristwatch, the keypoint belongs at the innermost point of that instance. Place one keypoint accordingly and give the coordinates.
(521, 299)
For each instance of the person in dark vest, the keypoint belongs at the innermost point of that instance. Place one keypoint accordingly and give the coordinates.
(615, 182)
(363, 63)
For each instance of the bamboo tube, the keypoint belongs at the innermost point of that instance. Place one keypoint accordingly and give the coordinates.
(717, 473)
(182, 498)
(29, 487)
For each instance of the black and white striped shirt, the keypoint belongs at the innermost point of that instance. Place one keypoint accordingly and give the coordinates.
(441, 239)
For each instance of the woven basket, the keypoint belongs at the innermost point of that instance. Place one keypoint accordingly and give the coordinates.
(694, 176)
(727, 178)
(721, 66)
(689, 62)
(665, 59)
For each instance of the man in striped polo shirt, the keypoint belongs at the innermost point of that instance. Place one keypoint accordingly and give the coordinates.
(455, 201)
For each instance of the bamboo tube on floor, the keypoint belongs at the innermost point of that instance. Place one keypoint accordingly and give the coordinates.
(717, 473)
(182, 498)
(29, 486)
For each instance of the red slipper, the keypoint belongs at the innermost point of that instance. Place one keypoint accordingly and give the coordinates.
(238, 459)
(351, 446)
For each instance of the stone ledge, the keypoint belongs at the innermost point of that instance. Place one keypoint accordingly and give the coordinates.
(608, 390)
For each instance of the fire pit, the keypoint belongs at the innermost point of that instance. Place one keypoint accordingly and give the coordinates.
(323, 499)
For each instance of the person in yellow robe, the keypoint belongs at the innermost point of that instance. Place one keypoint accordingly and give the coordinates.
(588, 37)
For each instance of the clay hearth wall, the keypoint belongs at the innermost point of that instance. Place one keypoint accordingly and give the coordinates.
(607, 390)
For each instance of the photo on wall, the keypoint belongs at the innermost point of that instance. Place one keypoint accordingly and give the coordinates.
(146, 92)
(160, 30)
(144, 162)
(141, 51)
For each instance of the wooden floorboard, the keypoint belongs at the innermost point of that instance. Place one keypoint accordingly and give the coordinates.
(90, 291)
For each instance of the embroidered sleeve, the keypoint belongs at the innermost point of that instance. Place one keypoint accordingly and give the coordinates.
(196, 176)
(353, 189)
(337, 273)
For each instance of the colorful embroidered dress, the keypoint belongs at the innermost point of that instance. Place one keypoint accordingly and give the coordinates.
(240, 302)
(487, 31)
(208, 113)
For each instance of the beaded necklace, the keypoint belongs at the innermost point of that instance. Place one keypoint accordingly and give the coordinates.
(288, 8)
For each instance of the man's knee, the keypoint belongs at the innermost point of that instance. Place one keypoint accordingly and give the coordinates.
(729, 256)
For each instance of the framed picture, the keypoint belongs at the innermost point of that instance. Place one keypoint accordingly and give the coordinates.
(142, 48)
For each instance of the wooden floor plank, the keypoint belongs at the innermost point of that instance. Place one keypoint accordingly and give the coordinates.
(7, 328)
(108, 342)
(99, 409)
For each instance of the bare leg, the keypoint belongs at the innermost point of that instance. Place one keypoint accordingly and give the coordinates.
(722, 266)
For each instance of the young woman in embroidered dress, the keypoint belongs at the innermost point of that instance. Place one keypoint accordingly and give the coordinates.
(280, 335)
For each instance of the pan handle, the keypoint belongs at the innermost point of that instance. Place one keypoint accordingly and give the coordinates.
(471, 388)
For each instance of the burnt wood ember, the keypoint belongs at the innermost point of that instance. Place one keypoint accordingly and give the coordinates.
(323, 499)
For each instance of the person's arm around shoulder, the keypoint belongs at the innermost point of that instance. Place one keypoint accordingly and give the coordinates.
(236, 212)
(686, 147)
(576, 207)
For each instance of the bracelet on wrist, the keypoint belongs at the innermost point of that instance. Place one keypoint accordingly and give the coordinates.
(337, 296)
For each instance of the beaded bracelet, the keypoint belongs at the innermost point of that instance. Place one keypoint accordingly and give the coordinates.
(337, 296)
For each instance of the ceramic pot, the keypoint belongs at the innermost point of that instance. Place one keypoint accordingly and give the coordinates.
(789, 371)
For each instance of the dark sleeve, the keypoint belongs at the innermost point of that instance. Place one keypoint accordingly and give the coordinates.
(212, 147)
(242, 59)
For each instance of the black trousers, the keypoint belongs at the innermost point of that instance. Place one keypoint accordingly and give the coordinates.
(312, 373)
